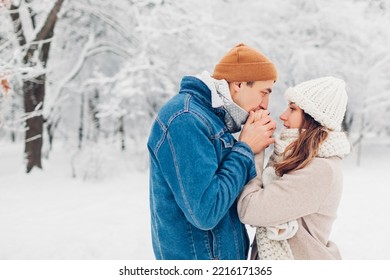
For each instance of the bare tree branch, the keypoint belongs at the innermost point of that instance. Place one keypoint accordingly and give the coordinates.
(48, 27)
(32, 14)
(18, 28)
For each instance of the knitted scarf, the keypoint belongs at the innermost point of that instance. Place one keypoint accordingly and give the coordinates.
(336, 144)
(271, 247)
(235, 116)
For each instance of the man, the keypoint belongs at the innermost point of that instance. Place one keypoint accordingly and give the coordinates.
(197, 168)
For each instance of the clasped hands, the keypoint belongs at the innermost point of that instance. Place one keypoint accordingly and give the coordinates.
(258, 130)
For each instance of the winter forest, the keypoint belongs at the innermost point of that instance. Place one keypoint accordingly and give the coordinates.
(81, 83)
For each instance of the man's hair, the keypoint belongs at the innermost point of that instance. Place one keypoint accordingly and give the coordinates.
(250, 84)
(300, 152)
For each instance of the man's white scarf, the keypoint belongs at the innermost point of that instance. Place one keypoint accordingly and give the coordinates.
(235, 116)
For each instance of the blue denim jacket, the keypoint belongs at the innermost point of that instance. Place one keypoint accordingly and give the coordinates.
(197, 170)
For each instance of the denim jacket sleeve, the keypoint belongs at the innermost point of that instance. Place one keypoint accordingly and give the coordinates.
(204, 188)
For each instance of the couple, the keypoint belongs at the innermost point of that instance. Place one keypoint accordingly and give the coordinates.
(204, 184)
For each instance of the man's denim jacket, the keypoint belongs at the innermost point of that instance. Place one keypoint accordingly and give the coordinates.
(197, 170)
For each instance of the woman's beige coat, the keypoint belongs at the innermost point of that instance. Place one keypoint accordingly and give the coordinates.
(310, 195)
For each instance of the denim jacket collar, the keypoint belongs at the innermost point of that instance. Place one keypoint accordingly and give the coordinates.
(197, 88)
(217, 97)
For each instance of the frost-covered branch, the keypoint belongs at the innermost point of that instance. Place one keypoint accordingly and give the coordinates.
(7, 71)
(76, 69)
(110, 80)
(50, 22)
(106, 18)
(110, 47)
(36, 112)
(87, 52)
(42, 36)
(31, 13)
(17, 23)
(5, 45)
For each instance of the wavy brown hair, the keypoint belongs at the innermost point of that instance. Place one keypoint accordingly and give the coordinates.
(300, 152)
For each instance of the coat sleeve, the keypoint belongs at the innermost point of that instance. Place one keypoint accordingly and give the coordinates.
(203, 188)
(255, 183)
(294, 195)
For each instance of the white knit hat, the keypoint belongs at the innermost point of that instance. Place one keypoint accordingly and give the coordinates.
(325, 99)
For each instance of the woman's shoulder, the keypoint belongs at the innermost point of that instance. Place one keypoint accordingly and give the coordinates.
(329, 161)
(326, 166)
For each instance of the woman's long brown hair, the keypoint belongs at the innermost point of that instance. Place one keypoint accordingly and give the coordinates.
(300, 152)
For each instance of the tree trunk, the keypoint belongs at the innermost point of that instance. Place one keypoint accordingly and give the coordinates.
(93, 110)
(81, 127)
(13, 119)
(51, 126)
(34, 93)
(122, 133)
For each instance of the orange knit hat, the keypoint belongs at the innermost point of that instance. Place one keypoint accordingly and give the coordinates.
(244, 64)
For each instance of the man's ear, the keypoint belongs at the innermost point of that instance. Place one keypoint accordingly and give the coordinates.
(234, 88)
(237, 85)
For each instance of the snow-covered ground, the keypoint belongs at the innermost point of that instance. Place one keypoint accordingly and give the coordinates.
(362, 229)
(50, 215)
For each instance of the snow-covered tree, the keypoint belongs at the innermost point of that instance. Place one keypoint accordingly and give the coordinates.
(112, 65)
(33, 28)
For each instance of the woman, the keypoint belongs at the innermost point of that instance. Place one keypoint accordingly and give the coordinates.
(295, 203)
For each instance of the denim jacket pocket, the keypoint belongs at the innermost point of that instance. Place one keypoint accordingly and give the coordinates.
(227, 140)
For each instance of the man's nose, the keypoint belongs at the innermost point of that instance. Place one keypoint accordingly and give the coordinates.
(264, 103)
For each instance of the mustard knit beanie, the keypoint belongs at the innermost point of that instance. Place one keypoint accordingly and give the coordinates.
(325, 99)
(244, 64)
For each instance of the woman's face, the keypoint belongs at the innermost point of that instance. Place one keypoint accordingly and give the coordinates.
(293, 116)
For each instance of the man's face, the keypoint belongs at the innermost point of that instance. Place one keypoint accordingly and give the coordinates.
(252, 97)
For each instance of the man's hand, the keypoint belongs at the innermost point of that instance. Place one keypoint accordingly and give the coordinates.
(258, 131)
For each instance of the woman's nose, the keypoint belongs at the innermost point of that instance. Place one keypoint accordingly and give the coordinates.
(283, 116)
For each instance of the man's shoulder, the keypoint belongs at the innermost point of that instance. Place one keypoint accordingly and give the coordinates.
(174, 107)
(186, 103)
(177, 117)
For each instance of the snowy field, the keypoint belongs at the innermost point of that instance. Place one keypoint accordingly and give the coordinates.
(50, 215)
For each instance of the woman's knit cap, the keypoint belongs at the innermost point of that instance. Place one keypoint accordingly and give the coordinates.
(325, 99)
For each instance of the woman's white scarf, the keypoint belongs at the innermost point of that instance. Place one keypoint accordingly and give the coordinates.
(336, 144)
(272, 241)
